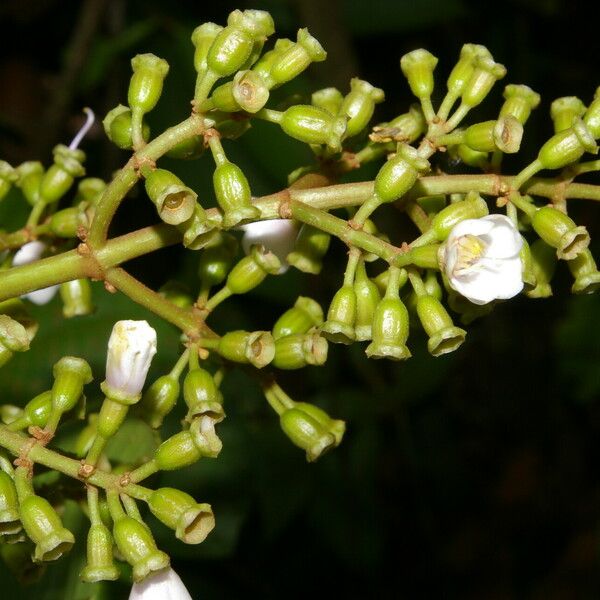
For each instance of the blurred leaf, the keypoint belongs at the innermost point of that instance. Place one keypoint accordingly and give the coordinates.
(133, 444)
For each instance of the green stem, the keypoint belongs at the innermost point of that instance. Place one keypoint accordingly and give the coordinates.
(457, 117)
(447, 104)
(144, 471)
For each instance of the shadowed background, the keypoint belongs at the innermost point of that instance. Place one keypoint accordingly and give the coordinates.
(473, 475)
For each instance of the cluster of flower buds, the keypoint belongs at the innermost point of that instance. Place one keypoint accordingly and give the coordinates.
(463, 260)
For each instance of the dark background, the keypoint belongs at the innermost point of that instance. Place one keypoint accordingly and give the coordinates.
(474, 475)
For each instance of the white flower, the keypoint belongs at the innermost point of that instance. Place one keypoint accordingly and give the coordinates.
(481, 259)
(27, 254)
(276, 235)
(162, 585)
(131, 346)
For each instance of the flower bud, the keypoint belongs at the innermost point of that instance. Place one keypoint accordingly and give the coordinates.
(472, 207)
(191, 521)
(313, 125)
(426, 257)
(60, 176)
(100, 565)
(418, 67)
(86, 436)
(65, 223)
(9, 506)
(527, 270)
(399, 174)
(564, 111)
(543, 263)
(136, 544)
(14, 310)
(303, 316)
(367, 299)
(470, 157)
(389, 330)
(358, 106)
(560, 231)
(520, 100)
(311, 429)
(199, 230)
(159, 399)
(339, 326)
(233, 195)
(131, 346)
(202, 38)
(584, 270)
(222, 98)
(444, 337)
(311, 246)
(28, 253)
(216, 260)
(177, 452)
(330, 99)
(249, 91)
(567, 146)
(30, 175)
(251, 271)
(201, 394)
(297, 350)
(505, 135)
(188, 149)
(13, 336)
(591, 118)
(263, 66)
(485, 73)
(77, 298)
(174, 201)
(463, 70)
(145, 87)
(256, 347)
(118, 128)
(70, 375)
(37, 411)
(10, 413)
(8, 176)
(295, 59)
(45, 529)
(89, 190)
(176, 292)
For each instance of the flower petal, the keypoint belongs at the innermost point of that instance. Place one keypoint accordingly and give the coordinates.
(503, 240)
(476, 227)
(162, 585)
(276, 235)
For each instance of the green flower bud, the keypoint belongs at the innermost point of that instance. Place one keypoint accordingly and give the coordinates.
(520, 100)
(591, 118)
(86, 436)
(136, 544)
(145, 87)
(358, 106)
(300, 349)
(202, 429)
(160, 399)
(303, 316)
(313, 125)
(330, 99)
(65, 223)
(100, 565)
(251, 271)
(30, 175)
(70, 375)
(406, 127)
(339, 326)
(9, 506)
(8, 176)
(399, 174)
(223, 99)
(45, 529)
(191, 521)
(37, 411)
(249, 91)
(199, 230)
(118, 128)
(567, 146)
(367, 299)
(60, 176)
(202, 38)
(505, 135)
(418, 67)
(263, 66)
(470, 157)
(444, 337)
(174, 201)
(485, 73)
(89, 190)
(188, 149)
(110, 418)
(231, 128)
(472, 207)
(13, 336)
(256, 347)
(527, 270)
(77, 298)
(177, 452)
(560, 231)
(202, 395)
(233, 195)
(543, 264)
(389, 330)
(464, 68)
(290, 62)
(584, 270)
(311, 246)
(10, 413)
(311, 429)
(564, 111)
(177, 293)
(216, 260)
